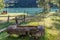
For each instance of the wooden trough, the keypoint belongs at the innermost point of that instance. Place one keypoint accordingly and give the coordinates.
(26, 30)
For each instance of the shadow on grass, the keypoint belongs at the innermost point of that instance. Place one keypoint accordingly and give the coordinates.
(57, 25)
(5, 24)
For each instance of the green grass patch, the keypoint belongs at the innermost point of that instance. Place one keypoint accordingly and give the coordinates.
(3, 35)
(6, 24)
(3, 25)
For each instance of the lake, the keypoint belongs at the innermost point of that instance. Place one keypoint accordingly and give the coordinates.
(27, 10)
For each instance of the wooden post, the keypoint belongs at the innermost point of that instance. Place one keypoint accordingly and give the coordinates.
(8, 19)
(24, 18)
(27, 13)
(16, 21)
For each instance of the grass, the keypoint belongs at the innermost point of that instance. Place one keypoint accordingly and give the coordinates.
(6, 24)
(3, 35)
(52, 28)
(31, 24)
(3, 25)
(20, 38)
(11, 38)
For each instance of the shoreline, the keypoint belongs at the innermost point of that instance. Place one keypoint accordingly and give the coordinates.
(10, 14)
(13, 14)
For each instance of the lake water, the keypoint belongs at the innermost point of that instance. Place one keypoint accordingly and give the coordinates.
(27, 10)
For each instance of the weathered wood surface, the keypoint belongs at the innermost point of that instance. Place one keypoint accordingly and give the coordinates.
(33, 30)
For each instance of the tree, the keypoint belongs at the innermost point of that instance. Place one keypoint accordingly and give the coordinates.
(1, 4)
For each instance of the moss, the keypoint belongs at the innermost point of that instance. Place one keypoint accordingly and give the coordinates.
(14, 35)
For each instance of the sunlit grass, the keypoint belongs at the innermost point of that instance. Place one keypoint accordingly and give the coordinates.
(52, 33)
(48, 21)
(33, 23)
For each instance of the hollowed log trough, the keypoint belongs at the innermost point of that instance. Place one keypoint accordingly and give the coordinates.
(36, 31)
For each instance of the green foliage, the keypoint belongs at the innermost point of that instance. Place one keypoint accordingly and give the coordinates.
(1, 4)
